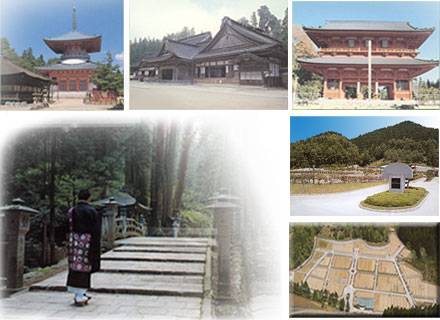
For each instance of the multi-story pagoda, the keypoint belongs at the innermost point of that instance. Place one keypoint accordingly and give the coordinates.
(238, 54)
(74, 70)
(343, 58)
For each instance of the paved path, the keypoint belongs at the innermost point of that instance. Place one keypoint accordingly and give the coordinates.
(150, 278)
(201, 97)
(62, 105)
(347, 203)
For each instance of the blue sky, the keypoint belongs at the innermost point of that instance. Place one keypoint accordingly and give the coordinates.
(26, 22)
(302, 128)
(421, 14)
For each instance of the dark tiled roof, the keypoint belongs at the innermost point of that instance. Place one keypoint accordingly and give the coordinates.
(124, 200)
(73, 35)
(375, 61)
(61, 66)
(199, 38)
(236, 51)
(368, 25)
(8, 68)
(183, 50)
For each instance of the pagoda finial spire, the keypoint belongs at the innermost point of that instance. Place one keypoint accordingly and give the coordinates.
(74, 19)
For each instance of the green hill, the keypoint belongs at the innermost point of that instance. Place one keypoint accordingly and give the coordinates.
(406, 142)
(329, 148)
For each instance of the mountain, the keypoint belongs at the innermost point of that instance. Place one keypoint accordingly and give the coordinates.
(406, 142)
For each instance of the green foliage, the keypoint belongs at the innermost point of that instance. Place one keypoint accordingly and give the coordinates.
(194, 219)
(328, 148)
(405, 142)
(387, 199)
(369, 233)
(301, 243)
(423, 241)
(108, 76)
(415, 312)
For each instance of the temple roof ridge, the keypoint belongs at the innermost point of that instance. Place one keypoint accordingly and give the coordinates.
(376, 25)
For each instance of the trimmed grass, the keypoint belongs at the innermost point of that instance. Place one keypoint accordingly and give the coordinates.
(391, 201)
(296, 188)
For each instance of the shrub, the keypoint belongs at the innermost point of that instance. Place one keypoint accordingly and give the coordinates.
(387, 199)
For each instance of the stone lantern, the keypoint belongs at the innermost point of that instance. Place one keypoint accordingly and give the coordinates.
(223, 210)
(16, 223)
(108, 223)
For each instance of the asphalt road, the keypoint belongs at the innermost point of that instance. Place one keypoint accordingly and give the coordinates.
(147, 96)
(347, 203)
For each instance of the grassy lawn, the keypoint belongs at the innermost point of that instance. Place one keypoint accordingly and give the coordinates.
(296, 188)
(391, 201)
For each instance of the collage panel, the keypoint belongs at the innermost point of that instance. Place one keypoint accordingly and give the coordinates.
(364, 270)
(63, 56)
(188, 223)
(375, 55)
(364, 166)
(199, 56)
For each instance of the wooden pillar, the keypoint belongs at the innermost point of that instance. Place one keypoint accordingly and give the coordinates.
(394, 89)
(376, 90)
(324, 92)
(410, 88)
(341, 94)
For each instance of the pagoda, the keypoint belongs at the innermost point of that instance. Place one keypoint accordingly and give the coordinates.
(343, 58)
(74, 70)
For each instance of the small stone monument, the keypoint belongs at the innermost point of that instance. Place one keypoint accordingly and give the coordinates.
(397, 173)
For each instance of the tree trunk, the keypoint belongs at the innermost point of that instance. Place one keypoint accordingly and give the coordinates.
(53, 157)
(183, 164)
(170, 168)
(157, 181)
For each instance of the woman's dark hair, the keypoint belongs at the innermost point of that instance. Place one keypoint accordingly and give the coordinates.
(84, 194)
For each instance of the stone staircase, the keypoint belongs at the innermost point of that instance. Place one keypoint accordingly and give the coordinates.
(162, 277)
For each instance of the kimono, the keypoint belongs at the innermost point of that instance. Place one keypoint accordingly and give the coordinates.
(86, 220)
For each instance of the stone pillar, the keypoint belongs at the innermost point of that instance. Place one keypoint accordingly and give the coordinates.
(143, 224)
(111, 211)
(223, 210)
(16, 223)
(359, 91)
(341, 93)
(376, 90)
(123, 215)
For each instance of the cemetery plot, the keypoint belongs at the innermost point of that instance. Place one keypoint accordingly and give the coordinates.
(298, 277)
(342, 262)
(315, 284)
(364, 280)
(325, 261)
(368, 265)
(322, 244)
(319, 272)
(422, 289)
(387, 267)
(384, 301)
(408, 271)
(337, 281)
(389, 284)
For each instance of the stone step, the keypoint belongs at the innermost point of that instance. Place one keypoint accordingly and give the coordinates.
(59, 305)
(147, 267)
(163, 241)
(156, 256)
(160, 249)
(128, 283)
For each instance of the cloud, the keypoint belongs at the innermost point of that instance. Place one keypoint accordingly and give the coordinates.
(120, 56)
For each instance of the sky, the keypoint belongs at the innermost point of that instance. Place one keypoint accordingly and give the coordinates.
(26, 22)
(420, 14)
(155, 19)
(302, 128)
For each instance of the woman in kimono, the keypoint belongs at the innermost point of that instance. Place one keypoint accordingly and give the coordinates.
(85, 223)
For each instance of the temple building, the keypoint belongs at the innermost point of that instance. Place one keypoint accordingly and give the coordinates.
(343, 58)
(74, 70)
(18, 84)
(238, 54)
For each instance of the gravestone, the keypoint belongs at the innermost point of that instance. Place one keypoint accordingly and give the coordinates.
(397, 173)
